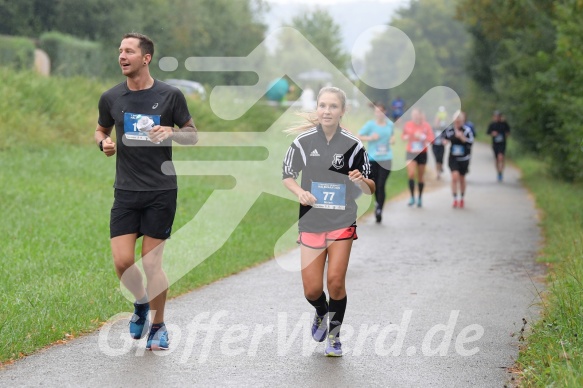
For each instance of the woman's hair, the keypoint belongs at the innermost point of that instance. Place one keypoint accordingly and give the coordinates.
(310, 117)
(378, 104)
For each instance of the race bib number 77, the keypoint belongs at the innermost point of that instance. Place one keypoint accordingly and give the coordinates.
(329, 195)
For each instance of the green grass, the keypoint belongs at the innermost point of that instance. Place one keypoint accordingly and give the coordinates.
(58, 279)
(553, 353)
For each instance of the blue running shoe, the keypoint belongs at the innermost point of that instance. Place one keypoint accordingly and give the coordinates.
(333, 347)
(158, 340)
(499, 177)
(139, 323)
(319, 327)
(411, 201)
(419, 203)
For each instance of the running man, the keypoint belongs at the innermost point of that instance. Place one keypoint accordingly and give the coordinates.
(335, 170)
(144, 112)
(500, 131)
(418, 134)
(380, 136)
(461, 139)
(398, 108)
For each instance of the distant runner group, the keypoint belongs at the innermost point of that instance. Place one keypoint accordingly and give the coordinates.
(419, 136)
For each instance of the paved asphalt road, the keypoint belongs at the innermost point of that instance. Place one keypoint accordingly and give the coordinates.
(436, 298)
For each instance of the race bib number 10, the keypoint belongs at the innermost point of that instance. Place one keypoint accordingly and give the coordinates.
(329, 195)
(135, 125)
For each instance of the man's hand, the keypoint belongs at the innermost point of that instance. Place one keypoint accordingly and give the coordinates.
(158, 134)
(108, 146)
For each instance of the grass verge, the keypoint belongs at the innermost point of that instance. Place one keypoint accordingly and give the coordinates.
(553, 353)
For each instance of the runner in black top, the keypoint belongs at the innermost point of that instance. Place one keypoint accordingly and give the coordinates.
(145, 112)
(335, 170)
(500, 131)
(461, 138)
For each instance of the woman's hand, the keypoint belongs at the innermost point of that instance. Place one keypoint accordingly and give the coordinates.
(306, 198)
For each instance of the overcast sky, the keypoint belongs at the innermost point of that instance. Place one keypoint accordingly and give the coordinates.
(329, 2)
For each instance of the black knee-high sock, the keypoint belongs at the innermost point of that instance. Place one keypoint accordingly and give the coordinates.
(421, 186)
(337, 309)
(320, 304)
(412, 187)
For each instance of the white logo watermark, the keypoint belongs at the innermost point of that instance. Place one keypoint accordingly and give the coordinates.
(224, 209)
(208, 335)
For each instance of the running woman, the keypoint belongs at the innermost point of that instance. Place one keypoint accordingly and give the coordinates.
(335, 170)
(148, 116)
(380, 136)
(461, 138)
(500, 131)
(418, 135)
(438, 148)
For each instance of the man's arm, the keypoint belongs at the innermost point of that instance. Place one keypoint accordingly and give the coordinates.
(187, 134)
(102, 135)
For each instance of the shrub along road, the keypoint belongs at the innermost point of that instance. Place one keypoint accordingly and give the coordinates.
(436, 297)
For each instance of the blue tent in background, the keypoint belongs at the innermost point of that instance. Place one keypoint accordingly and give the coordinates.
(277, 89)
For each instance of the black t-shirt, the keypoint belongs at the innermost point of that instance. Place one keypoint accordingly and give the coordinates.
(503, 130)
(139, 161)
(324, 166)
(459, 150)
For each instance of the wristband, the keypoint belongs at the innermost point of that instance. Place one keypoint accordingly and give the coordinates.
(101, 145)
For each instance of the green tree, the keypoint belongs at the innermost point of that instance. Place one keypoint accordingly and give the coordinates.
(531, 60)
(321, 30)
(440, 44)
(383, 64)
(211, 28)
(431, 22)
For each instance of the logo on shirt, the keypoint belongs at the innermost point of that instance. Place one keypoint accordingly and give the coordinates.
(155, 106)
(314, 153)
(338, 161)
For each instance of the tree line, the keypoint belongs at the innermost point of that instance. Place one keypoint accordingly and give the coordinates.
(522, 57)
(527, 56)
(180, 28)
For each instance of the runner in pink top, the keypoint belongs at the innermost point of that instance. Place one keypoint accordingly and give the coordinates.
(418, 134)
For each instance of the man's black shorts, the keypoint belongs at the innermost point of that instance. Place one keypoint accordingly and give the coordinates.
(149, 213)
(499, 148)
(420, 158)
(459, 166)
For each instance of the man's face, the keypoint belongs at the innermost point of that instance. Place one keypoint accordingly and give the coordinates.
(131, 58)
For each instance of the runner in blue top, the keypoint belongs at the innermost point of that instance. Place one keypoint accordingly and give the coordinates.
(398, 108)
(380, 135)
